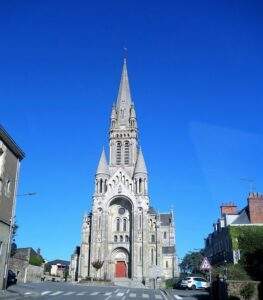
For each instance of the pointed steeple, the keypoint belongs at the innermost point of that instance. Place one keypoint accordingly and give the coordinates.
(124, 95)
(124, 101)
(103, 167)
(140, 164)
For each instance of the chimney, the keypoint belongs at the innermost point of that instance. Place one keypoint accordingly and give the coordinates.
(228, 209)
(255, 207)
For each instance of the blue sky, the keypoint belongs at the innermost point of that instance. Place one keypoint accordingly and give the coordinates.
(195, 71)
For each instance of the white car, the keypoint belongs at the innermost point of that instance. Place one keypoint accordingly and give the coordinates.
(194, 283)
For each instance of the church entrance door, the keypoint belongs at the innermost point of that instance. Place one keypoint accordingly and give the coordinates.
(120, 269)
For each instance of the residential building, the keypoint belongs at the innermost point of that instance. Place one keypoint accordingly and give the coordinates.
(123, 230)
(221, 245)
(58, 267)
(10, 158)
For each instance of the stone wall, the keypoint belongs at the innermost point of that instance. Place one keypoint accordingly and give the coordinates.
(223, 290)
(24, 271)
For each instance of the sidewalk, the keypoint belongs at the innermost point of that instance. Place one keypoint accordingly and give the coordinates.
(5, 294)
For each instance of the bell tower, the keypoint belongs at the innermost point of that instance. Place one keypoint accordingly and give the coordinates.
(123, 133)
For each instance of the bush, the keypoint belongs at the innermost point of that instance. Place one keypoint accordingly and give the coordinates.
(247, 291)
(36, 260)
(169, 283)
(231, 271)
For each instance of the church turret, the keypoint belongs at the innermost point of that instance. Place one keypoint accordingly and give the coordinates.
(102, 174)
(141, 175)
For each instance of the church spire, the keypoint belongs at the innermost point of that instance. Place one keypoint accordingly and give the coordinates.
(103, 167)
(124, 101)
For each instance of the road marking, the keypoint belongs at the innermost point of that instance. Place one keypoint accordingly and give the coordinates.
(80, 294)
(46, 292)
(56, 293)
(146, 296)
(132, 295)
(68, 293)
(107, 294)
(127, 291)
(28, 293)
(94, 294)
(120, 294)
(158, 297)
(178, 297)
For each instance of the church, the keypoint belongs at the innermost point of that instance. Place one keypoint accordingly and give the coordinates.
(123, 231)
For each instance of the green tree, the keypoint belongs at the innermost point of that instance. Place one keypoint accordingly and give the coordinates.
(191, 262)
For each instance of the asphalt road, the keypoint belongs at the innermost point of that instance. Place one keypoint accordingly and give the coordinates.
(58, 291)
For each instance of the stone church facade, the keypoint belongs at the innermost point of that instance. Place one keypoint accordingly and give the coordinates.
(123, 231)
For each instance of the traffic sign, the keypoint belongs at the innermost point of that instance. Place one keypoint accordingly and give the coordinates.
(205, 264)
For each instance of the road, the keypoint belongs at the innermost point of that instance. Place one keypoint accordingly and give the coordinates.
(58, 291)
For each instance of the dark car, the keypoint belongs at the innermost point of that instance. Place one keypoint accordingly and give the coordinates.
(11, 278)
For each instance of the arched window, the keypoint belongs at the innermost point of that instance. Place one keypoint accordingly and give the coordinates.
(121, 238)
(105, 185)
(152, 256)
(115, 238)
(140, 221)
(140, 185)
(100, 190)
(99, 222)
(140, 257)
(126, 153)
(118, 153)
(118, 225)
(126, 238)
(124, 224)
(153, 238)
(165, 235)
(166, 264)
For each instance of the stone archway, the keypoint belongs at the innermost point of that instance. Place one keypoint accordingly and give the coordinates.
(121, 262)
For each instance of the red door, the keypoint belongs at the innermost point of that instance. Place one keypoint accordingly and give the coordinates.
(120, 269)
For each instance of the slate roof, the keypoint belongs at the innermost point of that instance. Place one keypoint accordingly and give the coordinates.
(152, 211)
(58, 261)
(10, 143)
(243, 217)
(166, 219)
(168, 250)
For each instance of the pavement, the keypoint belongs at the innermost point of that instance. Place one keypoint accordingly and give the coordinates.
(59, 290)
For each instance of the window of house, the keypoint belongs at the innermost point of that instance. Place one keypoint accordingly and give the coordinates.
(121, 238)
(140, 254)
(166, 264)
(127, 153)
(8, 188)
(115, 238)
(165, 235)
(126, 238)
(118, 153)
(153, 238)
(152, 256)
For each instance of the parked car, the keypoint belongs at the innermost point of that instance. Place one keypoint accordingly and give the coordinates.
(194, 283)
(11, 278)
